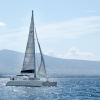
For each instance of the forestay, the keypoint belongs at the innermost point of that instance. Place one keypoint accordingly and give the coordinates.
(42, 69)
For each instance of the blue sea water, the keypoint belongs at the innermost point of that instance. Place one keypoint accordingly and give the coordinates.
(70, 88)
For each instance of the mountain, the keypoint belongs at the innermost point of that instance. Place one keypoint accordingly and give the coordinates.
(11, 63)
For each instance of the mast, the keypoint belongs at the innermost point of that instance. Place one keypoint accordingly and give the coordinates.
(34, 45)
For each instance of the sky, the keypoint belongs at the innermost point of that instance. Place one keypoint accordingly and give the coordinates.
(68, 29)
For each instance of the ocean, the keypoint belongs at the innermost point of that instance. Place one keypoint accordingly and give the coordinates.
(69, 88)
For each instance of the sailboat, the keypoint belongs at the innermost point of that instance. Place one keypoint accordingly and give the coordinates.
(28, 76)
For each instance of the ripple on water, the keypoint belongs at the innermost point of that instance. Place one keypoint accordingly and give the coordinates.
(66, 89)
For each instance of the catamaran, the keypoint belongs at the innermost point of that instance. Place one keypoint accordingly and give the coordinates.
(28, 76)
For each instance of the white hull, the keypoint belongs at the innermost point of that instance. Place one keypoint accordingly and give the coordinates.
(48, 83)
(30, 83)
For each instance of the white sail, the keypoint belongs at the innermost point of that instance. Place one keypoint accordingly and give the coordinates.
(29, 59)
(42, 69)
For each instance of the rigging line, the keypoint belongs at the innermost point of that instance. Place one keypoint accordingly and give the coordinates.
(38, 41)
(37, 63)
(39, 45)
(42, 59)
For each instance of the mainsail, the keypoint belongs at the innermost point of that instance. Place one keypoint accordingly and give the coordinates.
(29, 59)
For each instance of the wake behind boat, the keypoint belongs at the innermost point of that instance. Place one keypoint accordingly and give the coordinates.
(28, 75)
